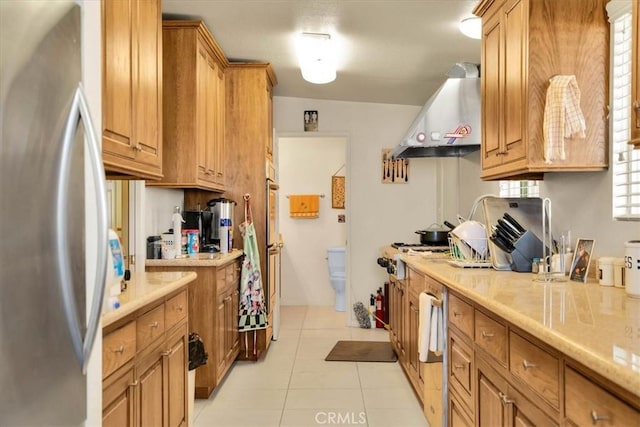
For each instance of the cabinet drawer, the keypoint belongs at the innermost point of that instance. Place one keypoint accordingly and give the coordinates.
(150, 326)
(175, 309)
(461, 315)
(491, 336)
(586, 403)
(118, 347)
(460, 370)
(535, 367)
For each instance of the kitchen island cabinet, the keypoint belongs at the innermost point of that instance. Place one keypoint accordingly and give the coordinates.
(145, 353)
(132, 89)
(523, 352)
(193, 108)
(213, 311)
(517, 63)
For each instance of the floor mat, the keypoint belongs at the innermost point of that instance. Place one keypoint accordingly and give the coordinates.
(362, 351)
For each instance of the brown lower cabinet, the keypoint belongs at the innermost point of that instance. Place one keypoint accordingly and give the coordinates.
(499, 375)
(213, 314)
(145, 361)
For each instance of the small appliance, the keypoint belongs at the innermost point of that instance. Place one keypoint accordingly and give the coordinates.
(222, 223)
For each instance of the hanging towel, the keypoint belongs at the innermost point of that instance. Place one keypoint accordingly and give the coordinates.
(425, 305)
(436, 336)
(304, 206)
(562, 116)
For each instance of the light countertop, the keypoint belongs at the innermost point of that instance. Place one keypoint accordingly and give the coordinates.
(144, 288)
(202, 260)
(595, 325)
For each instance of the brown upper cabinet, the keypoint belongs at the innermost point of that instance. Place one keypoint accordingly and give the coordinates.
(132, 88)
(524, 44)
(635, 78)
(194, 107)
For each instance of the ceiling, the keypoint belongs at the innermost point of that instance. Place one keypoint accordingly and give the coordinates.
(392, 51)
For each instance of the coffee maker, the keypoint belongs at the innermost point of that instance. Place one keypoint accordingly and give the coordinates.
(201, 221)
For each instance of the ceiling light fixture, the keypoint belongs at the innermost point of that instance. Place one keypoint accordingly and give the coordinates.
(471, 27)
(317, 58)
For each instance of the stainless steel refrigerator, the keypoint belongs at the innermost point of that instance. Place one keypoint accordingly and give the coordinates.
(47, 328)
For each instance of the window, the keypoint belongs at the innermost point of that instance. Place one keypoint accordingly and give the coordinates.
(519, 189)
(625, 160)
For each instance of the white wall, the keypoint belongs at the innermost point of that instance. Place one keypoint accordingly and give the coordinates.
(306, 165)
(377, 214)
(159, 203)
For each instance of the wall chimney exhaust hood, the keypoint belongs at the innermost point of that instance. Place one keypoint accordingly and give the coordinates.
(449, 123)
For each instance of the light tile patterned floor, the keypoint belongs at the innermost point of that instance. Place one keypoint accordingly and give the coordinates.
(294, 386)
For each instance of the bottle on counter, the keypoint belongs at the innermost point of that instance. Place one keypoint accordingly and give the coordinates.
(177, 221)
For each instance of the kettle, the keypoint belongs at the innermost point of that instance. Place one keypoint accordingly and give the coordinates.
(222, 222)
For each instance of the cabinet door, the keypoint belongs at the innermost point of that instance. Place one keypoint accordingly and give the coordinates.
(218, 149)
(221, 344)
(491, 411)
(147, 82)
(229, 317)
(117, 78)
(491, 92)
(176, 359)
(514, 27)
(635, 75)
(118, 401)
(414, 321)
(151, 394)
(235, 335)
(204, 105)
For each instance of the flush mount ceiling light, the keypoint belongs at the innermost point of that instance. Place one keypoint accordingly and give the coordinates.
(471, 27)
(316, 58)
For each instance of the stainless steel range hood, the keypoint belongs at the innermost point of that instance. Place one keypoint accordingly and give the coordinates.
(449, 123)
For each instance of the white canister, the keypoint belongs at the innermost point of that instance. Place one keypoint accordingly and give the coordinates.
(605, 271)
(618, 272)
(632, 268)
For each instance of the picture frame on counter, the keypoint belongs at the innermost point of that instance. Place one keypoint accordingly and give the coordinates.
(581, 260)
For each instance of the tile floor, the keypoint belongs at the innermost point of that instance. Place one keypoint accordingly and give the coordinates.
(294, 386)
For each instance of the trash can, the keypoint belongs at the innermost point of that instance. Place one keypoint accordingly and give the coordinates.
(197, 357)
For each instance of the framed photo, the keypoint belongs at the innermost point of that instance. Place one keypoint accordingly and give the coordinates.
(581, 260)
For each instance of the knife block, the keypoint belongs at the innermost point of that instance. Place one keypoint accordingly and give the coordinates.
(527, 247)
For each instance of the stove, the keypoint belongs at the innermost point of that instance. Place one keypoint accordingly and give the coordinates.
(419, 247)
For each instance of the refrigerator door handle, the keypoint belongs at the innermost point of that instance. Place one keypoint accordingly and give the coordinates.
(82, 345)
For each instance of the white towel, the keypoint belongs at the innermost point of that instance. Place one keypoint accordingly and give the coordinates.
(563, 117)
(436, 338)
(425, 303)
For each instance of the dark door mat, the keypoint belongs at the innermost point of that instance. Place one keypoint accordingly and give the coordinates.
(362, 351)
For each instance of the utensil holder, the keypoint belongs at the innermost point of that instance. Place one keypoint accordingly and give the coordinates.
(527, 247)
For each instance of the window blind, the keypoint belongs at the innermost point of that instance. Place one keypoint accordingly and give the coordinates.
(519, 189)
(626, 160)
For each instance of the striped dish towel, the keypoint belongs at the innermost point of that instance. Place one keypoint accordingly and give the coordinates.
(562, 116)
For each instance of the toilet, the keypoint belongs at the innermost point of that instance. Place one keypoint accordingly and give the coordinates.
(337, 261)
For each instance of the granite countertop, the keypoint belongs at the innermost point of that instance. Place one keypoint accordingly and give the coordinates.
(144, 288)
(595, 325)
(202, 260)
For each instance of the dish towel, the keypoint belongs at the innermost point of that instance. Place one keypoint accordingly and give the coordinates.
(436, 337)
(562, 116)
(425, 306)
(304, 206)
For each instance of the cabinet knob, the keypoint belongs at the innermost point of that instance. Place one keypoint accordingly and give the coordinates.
(486, 334)
(167, 353)
(505, 399)
(457, 313)
(636, 105)
(458, 366)
(179, 308)
(154, 324)
(119, 349)
(526, 365)
(137, 147)
(595, 417)
(134, 384)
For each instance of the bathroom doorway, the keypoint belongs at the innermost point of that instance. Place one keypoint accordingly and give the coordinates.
(306, 165)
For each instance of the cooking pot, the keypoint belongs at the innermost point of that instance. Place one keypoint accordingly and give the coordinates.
(435, 234)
